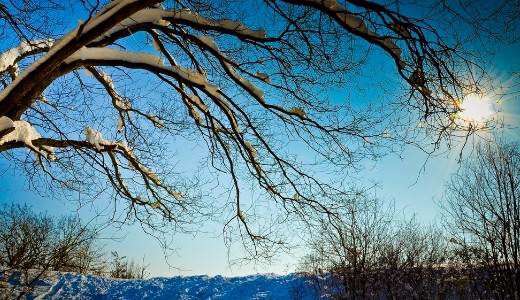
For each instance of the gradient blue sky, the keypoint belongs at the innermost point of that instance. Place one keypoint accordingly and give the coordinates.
(403, 179)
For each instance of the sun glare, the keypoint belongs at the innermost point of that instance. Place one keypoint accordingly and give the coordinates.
(476, 110)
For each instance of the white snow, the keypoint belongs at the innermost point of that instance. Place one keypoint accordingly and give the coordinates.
(156, 121)
(251, 149)
(9, 58)
(196, 100)
(119, 102)
(264, 77)
(23, 132)
(107, 12)
(145, 59)
(56, 46)
(153, 16)
(16, 69)
(5, 123)
(346, 17)
(158, 15)
(209, 42)
(107, 79)
(393, 47)
(122, 104)
(298, 110)
(150, 174)
(248, 85)
(241, 216)
(401, 29)
(256, 92)
(114, 54)
(75, 286)
(95, 138)
(357, 24)
(156, 45)
(87, 72)
(188, 15)
(120, 123)
(195, 115)
(354, 22)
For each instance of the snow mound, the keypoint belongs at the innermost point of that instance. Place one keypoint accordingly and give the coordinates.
(77, 286)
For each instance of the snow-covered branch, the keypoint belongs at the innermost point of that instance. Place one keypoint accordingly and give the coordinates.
(9, 58)
(21, 131)
(23, 91)
(354, 24)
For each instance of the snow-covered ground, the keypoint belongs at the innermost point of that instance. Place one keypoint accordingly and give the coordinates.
(76, 286)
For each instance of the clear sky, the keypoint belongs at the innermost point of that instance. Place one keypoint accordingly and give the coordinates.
(403, 179)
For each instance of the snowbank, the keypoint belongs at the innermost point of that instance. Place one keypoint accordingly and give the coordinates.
(76, 286)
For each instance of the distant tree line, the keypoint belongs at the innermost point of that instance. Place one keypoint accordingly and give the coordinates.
(33, 245)
(372, 253)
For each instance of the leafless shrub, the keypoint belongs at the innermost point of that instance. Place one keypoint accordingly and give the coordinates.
(32, 245)
(374, 252)
(122, 267)
(482, 208)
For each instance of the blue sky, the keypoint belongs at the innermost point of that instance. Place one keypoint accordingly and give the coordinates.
(402, 179)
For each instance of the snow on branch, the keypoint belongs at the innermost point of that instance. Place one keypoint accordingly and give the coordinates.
(150, 179)
(244, 82)
(119, 102)
(226, 63)
(153, 62)
(6, 123)
(109, 12)
(226, 24)
(354, 24)
(95, 138)
(155, 120)
(153, 16)
(195, 101)
(22, 86)
(163, 18)
(25, 133)
(10, 57)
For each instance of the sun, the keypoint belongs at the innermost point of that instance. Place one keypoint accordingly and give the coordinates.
(476, 110)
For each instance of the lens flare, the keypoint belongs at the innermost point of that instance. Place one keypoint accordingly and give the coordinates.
(476, 110)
